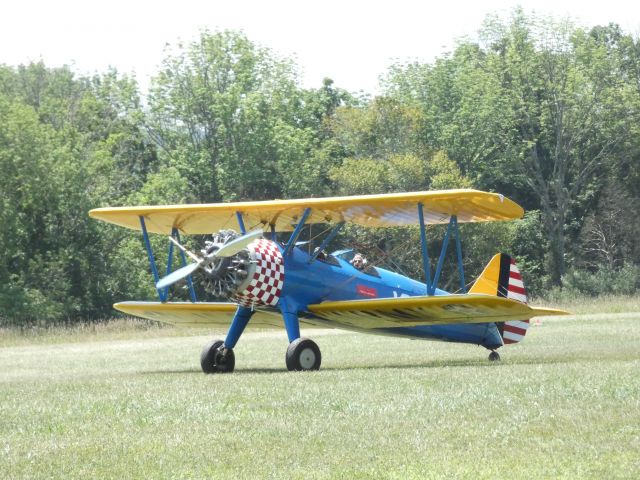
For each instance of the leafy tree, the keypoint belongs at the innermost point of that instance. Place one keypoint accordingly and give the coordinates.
(569, 114)
(609, 237)
(34, 268)
(379, 129)
(539, 110)
(226, 114)
(67, 145)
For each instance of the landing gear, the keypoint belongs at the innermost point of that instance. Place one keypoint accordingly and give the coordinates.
(494, 356)
(303, 354)
(215, 358)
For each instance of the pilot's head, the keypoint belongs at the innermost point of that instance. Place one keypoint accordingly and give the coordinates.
(358, 261)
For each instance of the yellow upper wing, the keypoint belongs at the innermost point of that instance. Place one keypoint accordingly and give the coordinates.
(394, 209)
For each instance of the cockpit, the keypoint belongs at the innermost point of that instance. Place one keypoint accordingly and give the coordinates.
(357, 260)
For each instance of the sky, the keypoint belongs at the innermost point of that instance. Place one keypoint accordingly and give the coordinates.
(351, 42)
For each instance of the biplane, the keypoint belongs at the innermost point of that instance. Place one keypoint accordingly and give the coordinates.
(254, 262)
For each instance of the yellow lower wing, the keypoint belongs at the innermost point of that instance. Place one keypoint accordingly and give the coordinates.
(413, 311)
(200, 314)
(365, 314)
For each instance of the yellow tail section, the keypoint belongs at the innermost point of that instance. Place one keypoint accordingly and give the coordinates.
(501, 278)
(488, 281)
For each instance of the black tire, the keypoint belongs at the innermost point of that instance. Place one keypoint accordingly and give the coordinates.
(494, 356)
(303, 354)
(212, 360)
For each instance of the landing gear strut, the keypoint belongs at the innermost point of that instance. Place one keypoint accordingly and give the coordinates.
(216, 358)
(303, 354)
(494, 356)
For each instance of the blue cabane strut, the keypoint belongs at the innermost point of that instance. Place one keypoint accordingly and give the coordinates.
(241, 223)
(296, 232)
(326, 241)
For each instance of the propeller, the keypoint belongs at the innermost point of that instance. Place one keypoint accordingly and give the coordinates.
(234, 246)
(179, 274)
(227, 250)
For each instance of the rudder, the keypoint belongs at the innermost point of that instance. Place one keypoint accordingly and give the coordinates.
(501, 277)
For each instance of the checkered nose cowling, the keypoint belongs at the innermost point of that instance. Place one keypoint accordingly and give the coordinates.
(264, 284)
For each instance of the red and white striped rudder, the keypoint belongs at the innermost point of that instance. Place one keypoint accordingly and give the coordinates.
(515, 330)
(501, 277)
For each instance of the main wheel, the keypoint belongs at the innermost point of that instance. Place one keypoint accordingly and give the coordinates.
(216, 359)
(494, 356)
(303, 354)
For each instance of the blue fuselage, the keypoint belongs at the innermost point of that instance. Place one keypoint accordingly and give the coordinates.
(310, 281)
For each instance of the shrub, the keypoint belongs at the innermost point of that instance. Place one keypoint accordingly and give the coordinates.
(622, 281)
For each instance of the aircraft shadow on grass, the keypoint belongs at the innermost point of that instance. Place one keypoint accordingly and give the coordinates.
(558, 360)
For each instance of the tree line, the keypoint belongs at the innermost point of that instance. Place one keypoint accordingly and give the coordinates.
(540, 110)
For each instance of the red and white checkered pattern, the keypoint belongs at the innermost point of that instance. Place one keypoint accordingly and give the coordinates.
(515, 330)
(266, 285)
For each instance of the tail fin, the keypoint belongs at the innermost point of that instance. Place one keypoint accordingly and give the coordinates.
(502, 278)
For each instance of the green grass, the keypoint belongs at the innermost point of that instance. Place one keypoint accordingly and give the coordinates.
(581, 304)
(564, 404)
(110, 329)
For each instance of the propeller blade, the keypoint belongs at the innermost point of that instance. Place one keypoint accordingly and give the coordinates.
(191, 254)
(233, 247)
(178, 275)
(228, 250)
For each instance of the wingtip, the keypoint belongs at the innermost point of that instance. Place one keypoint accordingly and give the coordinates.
(542, 311)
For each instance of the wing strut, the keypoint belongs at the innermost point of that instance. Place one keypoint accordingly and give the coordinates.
(152, 260)
(443, 251)
(163, 293)
(463, 285)
(241, 223)
(432, 284)
(425, 251)
(296, 232)
(192, 292)
(453, 225)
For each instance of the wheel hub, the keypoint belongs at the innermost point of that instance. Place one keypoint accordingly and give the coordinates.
(307, 358)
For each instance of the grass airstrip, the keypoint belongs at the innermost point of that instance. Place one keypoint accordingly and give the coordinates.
(128, 400)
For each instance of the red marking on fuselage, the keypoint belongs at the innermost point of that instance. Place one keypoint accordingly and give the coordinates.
(366, 291)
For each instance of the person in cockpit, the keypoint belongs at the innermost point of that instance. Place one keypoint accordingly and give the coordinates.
(358, 261)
